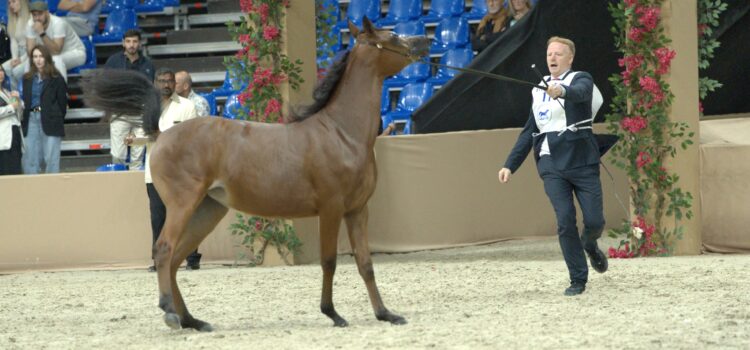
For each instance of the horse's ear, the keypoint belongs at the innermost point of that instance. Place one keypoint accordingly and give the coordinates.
(367, 26)
(353, 30)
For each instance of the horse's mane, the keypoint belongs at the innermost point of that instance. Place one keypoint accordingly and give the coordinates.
(323, 91)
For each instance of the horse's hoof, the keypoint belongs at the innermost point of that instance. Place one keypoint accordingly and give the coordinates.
(172, 320)
(392, 318)
(340, 322)
(205, 328)
(398, 320)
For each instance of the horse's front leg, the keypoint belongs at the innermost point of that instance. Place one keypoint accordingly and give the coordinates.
(356, 223)
(329, 230)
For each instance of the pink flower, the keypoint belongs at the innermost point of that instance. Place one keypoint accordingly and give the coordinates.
(263, 10)
(649, 17)
(631, 3)
(273, 106)
(633, 124)
(270, 32)
(700, 106)
(642, 160)
(650, 85)
(665, 56)
(246, 6)
(258, 225)
(636, 34)
(245, 96)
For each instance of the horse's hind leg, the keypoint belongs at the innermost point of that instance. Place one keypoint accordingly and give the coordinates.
(329, 231)
(356, 223)
(202, 221)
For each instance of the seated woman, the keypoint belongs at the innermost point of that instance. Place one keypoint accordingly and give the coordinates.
(518, 9)
(491, 26)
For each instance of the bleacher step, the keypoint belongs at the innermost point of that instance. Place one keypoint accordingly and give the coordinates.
(223, 6)
(192, 64)
(69, 164)
(86, 131)
(198, 35)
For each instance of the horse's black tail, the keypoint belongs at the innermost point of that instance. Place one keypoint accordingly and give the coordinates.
(123, 92)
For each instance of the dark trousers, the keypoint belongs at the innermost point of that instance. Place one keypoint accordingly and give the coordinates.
(10, 159)
(158, 216)
(560, 187)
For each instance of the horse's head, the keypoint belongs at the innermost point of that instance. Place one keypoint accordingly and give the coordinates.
(392, 52)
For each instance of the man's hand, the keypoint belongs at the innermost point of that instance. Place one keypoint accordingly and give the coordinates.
(14, 62)
(504, 175)
(38, 27)
(129, 139)
(555, 90)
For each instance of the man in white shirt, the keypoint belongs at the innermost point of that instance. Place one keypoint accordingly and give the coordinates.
(175, 109)
(57, 35)
(184, 88)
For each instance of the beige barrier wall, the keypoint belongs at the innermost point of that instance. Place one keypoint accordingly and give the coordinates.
(433, 191)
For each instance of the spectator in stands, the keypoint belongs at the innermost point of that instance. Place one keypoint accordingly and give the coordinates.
(175, 109)
(83, 15)
(131, 58)
(18, 17)
(10, 130)
(518, 9)
(567, 160)
(491, 26)
(184, 88)
(57, 35)
(46, 101)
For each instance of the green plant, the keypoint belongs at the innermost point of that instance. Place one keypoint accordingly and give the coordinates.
(648, 138)
(261, 63)
(256, 233)
(708, 20)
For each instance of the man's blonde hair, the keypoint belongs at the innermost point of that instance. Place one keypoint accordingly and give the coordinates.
(565, 41)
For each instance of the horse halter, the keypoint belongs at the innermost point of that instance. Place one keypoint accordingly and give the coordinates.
(414, 59)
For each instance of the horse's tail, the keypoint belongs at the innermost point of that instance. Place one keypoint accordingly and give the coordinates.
(123, 92)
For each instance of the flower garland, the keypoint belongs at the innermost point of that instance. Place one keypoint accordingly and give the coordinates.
(647, 136)
(261, 63)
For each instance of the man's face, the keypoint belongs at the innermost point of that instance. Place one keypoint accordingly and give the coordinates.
(40, 16)
(181, 86)
(131, 45)
(494, 6)
(559, 58)
(166, 84)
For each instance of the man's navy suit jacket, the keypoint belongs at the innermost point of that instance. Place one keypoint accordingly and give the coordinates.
(571, 149)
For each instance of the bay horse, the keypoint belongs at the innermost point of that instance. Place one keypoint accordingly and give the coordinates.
(321, 163)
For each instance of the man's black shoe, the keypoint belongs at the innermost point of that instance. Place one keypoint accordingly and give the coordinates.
(152, 268)
(575, 288)
(598, 260)
(193, 267)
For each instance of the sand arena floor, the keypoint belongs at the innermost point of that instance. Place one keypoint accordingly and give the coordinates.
(505, 295)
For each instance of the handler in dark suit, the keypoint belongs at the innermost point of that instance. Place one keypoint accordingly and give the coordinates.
(567, 156)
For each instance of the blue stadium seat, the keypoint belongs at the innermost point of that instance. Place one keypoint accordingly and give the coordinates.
(118, 22)
(478, 10)
(112, 167)
(359, 9)
(211, 102)
(455, 58)
(415, 27)
(440, 9)
(90, 56)
(228, 88)
(411, 97)
(150, 6)
(451, 33)
(415, 72)
(232, 107)
(402, 11)
(110, 5)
